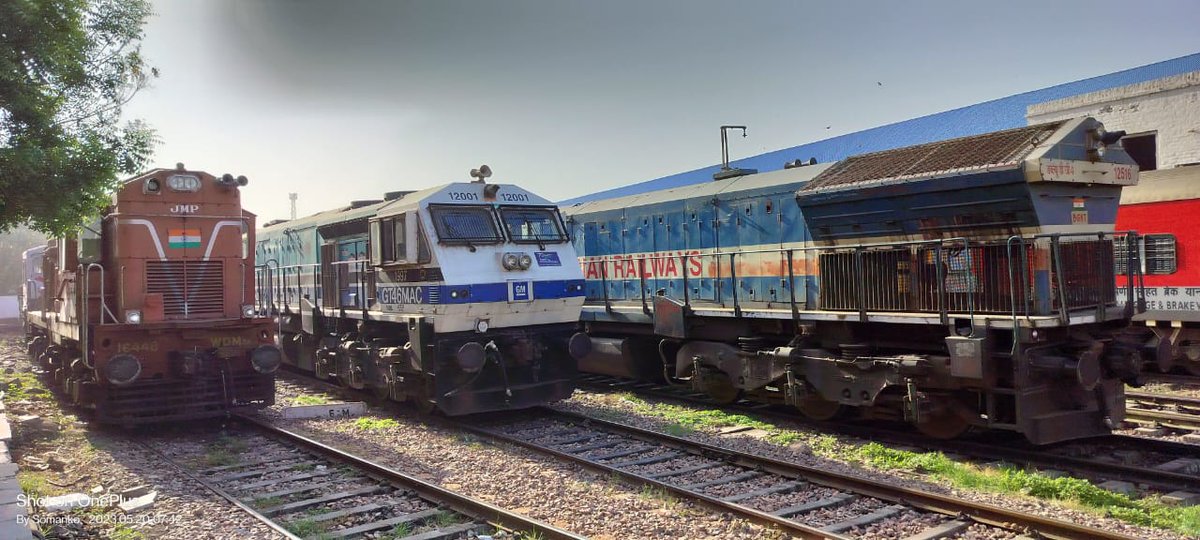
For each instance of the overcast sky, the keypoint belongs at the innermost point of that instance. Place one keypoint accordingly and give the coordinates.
(341, 100)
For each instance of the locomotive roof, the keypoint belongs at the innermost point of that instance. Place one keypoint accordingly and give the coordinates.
(710, 189)
(1177, 184)
(336, 215)
(998, 149)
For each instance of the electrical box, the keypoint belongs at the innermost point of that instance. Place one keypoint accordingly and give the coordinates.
(966, 356)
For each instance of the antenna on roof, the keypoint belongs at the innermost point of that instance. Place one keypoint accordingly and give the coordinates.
(726, 171)
(292, 197)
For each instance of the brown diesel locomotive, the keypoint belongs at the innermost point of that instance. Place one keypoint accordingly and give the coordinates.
(147, 313)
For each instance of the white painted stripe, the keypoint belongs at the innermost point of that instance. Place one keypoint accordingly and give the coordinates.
(212, 240)
(153, 235)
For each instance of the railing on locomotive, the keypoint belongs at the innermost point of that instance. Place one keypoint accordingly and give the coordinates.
(265, 280)
(943, 308)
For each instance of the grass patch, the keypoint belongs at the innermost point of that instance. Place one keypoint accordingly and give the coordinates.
(1149, 511)
(1074, 492)
(367, 423)
(303, 467)
(400, 531)
(17, 386)
(266, 502)
(305, 528)
(33, 483)
(445, 519)
(655, 493)
(122, 531)
(310, 400)
(224, 451)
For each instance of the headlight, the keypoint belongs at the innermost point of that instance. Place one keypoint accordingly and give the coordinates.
(511, 261)
(183, 182)
(526, 261)
(471, 357)
(266, 359)
(133, 316)
(248, 311)
(122, 369)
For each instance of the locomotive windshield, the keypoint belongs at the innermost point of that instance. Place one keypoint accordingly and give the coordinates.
(465, 224)
(532, 225)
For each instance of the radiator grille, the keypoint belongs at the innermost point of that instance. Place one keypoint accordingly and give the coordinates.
(190, 289)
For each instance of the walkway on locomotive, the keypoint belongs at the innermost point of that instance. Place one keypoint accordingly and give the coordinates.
(471, 251)
(744, 247)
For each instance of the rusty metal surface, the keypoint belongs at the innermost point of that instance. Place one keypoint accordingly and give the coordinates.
(967, 153)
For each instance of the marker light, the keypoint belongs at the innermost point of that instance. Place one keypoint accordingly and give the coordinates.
(133, 316)
(248, 311)
(482, 326)
(511, 261)
(526, 261)
(183, 182)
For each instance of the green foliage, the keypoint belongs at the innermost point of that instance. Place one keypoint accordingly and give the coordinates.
(375, 424)
(66, 69)
(308, 399)
(305, 528)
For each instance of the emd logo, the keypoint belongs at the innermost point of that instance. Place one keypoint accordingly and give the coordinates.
(185, 209)
(519, 291)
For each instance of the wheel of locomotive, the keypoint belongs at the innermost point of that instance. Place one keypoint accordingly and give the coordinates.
(716, 385)
(943, 421)
(815, 407)
(422, 399)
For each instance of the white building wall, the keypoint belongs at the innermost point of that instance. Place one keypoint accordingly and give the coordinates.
(1169, 106)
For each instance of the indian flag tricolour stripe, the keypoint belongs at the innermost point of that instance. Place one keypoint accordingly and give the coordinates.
(183, 238)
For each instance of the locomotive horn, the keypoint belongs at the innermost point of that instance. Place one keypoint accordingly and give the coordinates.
(227, 179)
(242, 181)
(481, 173)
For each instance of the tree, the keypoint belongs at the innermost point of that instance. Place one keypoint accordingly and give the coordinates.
(66, 69)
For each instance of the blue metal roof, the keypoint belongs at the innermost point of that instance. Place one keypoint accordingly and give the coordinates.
(995, 115)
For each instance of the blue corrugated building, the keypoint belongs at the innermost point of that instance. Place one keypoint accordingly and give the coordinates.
(995, 115)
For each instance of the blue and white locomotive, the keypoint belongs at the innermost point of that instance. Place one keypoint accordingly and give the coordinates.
(964, 283)
(463, 298)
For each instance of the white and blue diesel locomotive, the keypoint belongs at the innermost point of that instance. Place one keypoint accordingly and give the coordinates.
(463, 298)
(964, 283)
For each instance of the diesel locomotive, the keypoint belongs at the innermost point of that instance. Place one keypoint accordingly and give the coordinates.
(461, 298)
(959, 284)
(147, 313)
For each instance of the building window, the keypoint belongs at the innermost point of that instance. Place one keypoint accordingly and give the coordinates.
(1143, 148)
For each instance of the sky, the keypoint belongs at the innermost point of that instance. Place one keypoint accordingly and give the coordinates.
(346, 100)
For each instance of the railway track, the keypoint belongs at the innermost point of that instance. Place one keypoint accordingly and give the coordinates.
(302, 488)
(803, 501)
(1174, 411)
(1158, 464)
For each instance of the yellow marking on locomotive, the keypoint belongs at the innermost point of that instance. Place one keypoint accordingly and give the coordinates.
(137, 346)
(231, 341)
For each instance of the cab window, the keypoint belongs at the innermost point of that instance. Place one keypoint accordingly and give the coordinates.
(460, 224)
(532, 224)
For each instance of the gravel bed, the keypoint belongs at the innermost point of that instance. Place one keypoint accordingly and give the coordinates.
(1172, 388)
(677, 464)
(704, 475)
(983, 532)
(614, 407)
(842, 512)
(745, 486)
(97, 461)
(775, 501)
(561, 494)
(902, 525)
